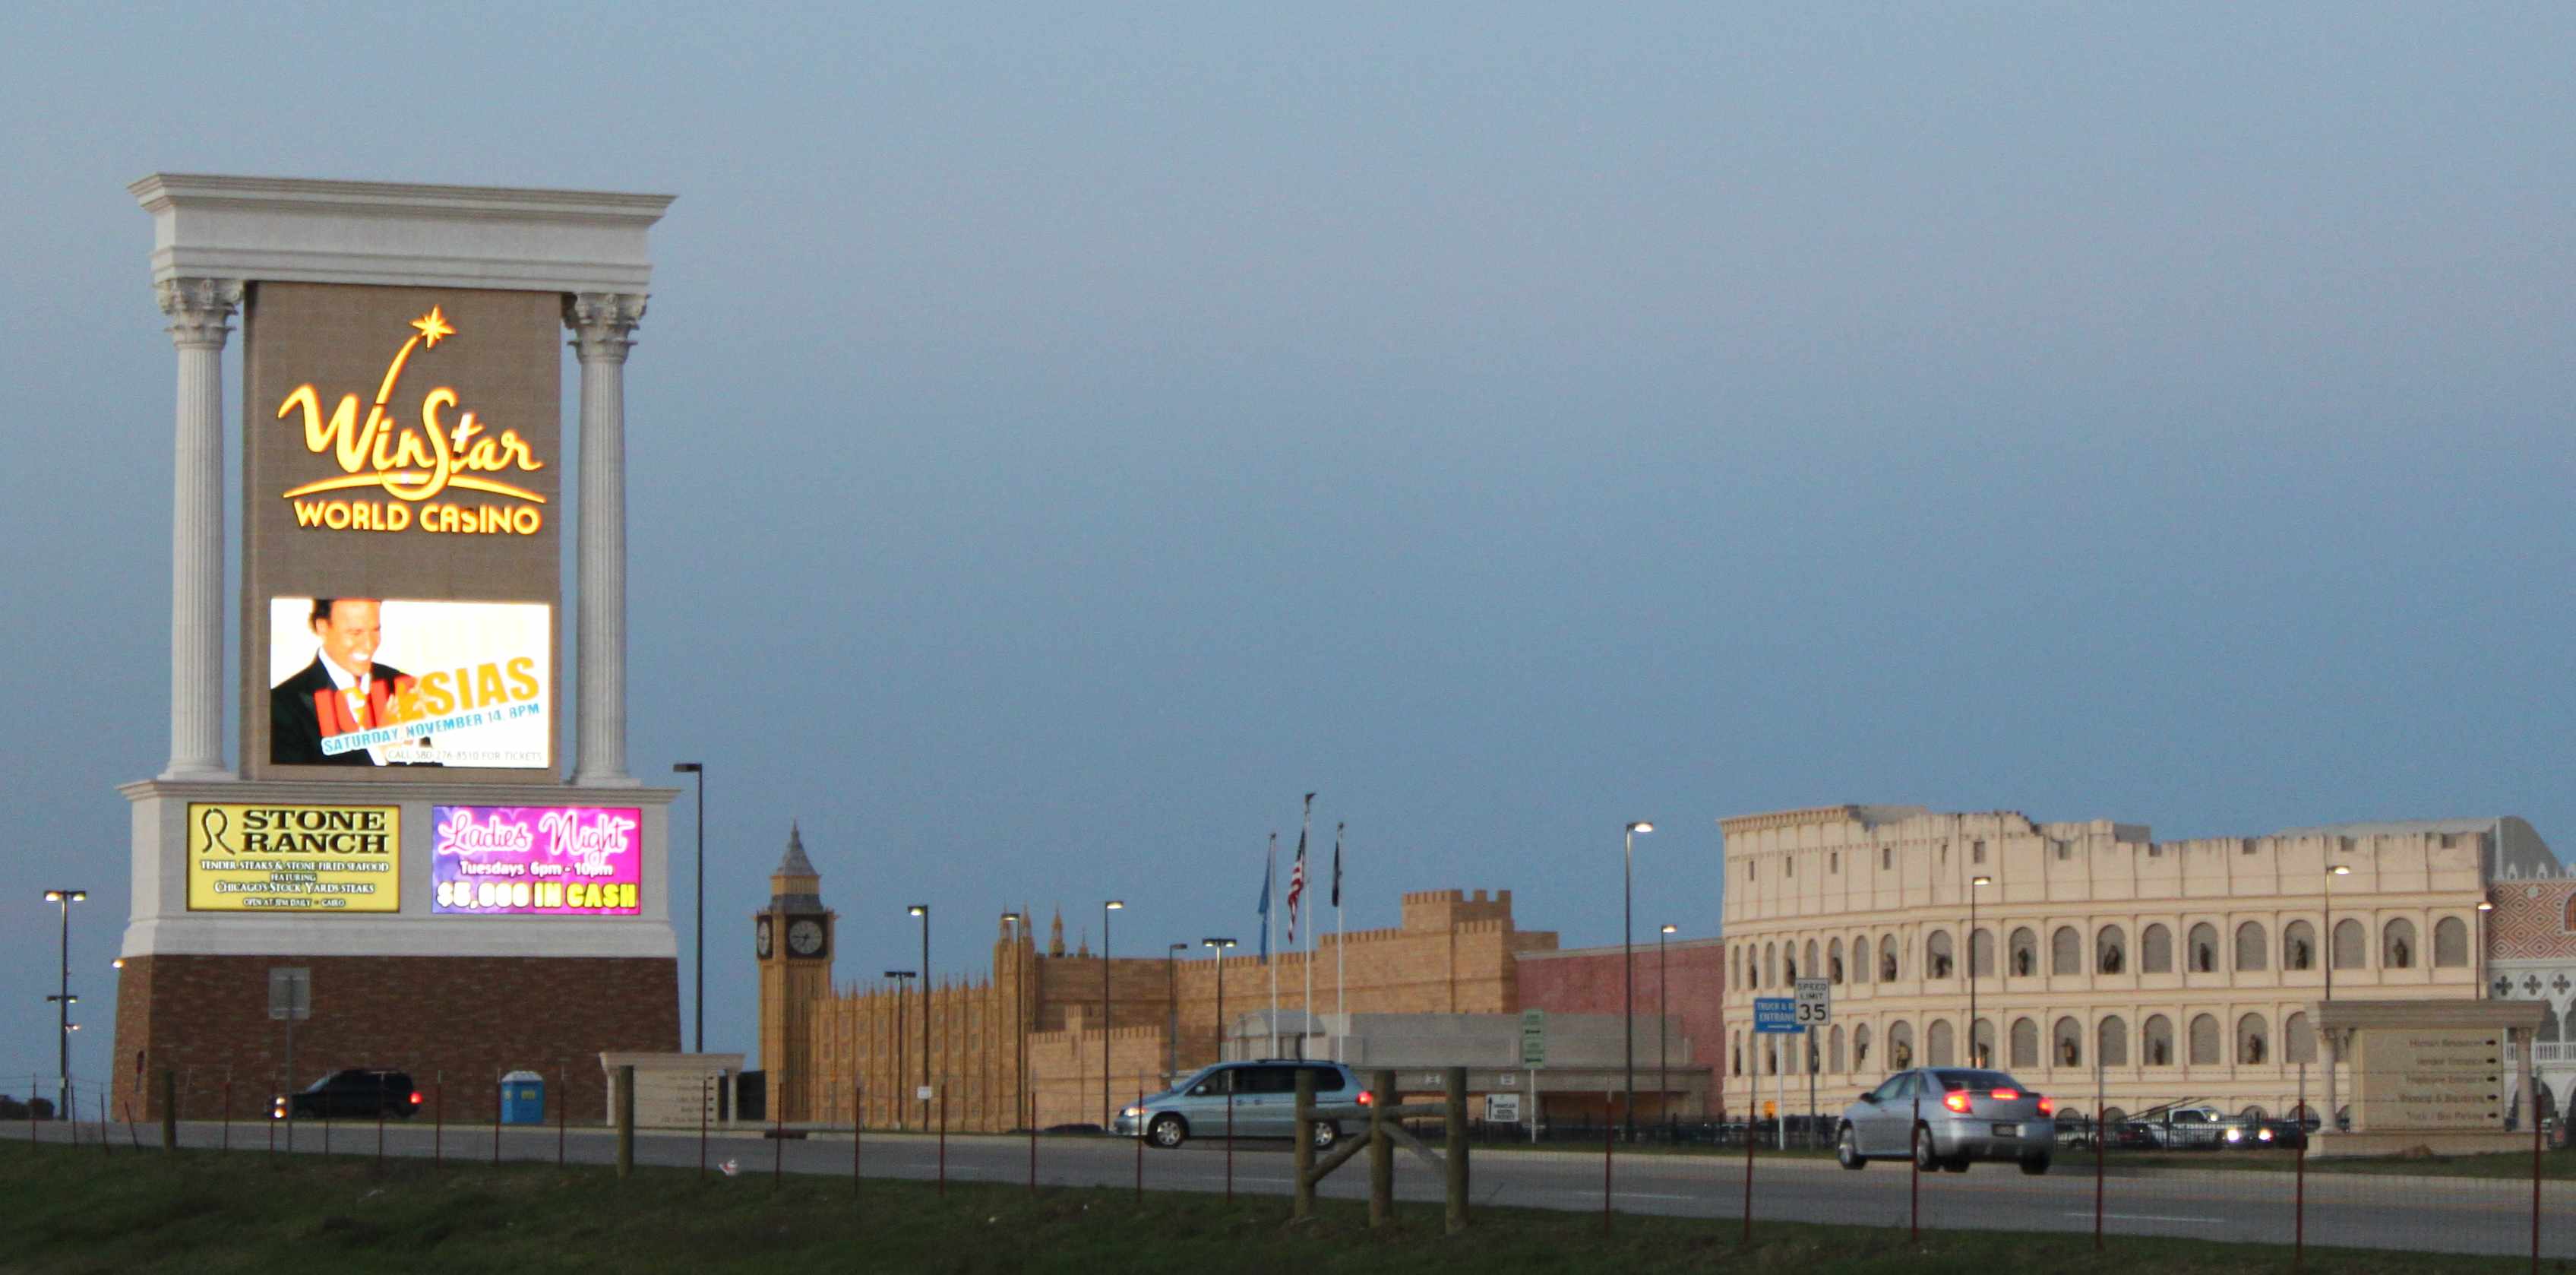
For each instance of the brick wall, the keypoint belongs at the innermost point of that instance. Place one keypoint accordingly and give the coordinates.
(1588, 982)
(471, 1018)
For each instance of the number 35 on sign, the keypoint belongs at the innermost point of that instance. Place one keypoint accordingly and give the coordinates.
(1815, 1002)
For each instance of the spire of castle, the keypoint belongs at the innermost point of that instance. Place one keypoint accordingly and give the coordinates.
(1055, 933)
(1083, 946)
(795, 886)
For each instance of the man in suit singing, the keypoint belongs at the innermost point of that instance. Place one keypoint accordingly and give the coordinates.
(343, 690)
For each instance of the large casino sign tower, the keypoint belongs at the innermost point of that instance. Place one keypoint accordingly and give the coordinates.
(418, 824)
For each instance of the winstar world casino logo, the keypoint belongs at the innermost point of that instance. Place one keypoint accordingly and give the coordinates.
(413, 464)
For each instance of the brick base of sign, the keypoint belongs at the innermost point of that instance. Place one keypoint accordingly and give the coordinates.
(457, 1020)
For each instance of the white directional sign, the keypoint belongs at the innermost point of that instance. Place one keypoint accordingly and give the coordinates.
(1533, 1038)
(1815, 1002)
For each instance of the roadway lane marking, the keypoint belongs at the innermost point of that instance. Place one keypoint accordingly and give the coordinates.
(2140, 1217)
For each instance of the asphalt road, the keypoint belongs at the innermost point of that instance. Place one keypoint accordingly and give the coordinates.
(2343, 1210)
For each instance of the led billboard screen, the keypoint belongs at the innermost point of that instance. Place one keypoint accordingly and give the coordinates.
(363, 682)
(537, 860)
(305, 859)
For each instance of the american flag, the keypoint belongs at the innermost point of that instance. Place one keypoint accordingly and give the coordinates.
(1296, 886)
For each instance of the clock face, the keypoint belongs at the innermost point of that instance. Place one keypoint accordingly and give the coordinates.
(805, 937)
(763, 939)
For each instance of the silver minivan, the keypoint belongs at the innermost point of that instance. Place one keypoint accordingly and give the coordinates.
(1259, 1097)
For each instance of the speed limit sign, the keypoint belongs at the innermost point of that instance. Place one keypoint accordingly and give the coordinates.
(1815, 1002)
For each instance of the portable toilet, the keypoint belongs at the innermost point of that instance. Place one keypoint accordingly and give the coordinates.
(523, 1098)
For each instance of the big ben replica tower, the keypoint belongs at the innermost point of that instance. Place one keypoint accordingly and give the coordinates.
(792, 938)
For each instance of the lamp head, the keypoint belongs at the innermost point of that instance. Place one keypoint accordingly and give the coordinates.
(1180, 947)
(1216, 943)
(898, 974)
(1641, 826)
(2342, 870)
(688, 768)
(117, 964)
(1981, 880)
(1672, 929)
(918, 909)
(1012, 917)
(1114, 905)
(2485, 905)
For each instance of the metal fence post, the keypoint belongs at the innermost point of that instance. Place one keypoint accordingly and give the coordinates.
(1301, 1158)
(1381, 1149)
(1140, 1140)
(2101, 1133)
(1456, 1113)
(858, 1134)
(169, 1110)
(1609, 1143)
(438, 1119)
(626, 1120)
(1914, 1169)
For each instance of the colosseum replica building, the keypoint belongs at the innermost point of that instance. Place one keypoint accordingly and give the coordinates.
(2189, 971)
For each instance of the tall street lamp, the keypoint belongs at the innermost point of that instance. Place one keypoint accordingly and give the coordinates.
(1220, 945)
(63, 1002)
(1172, 1034)
(2338, 870)
(1975, 1058)
(1663, 1005)
(1106, 1112)
(898, 976)
(922, 910)
(700, 1014)
(1628, 955)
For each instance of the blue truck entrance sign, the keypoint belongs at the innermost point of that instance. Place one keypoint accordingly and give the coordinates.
(1778, 1014)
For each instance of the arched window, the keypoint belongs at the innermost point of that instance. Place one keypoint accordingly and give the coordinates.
(2065, 951)
(1834, 1050)
(1939, 1048)
(2204, 1040)
(1770, 965)
(1981, 1043)
(2025, 1043)
(2025, 953)
(2202, 950)
(2254, 1112)
(2298, 1040)
(2397, 948)
(2253, 1041)
(1738, 1051)
(2111, 1041)
(1861, 963)
(1936, 955)
(2253, 947)
(1770, 1055)
(1900, 1045)
(1834, 965)
(2298, 946)
(1860, 1047)
(2109, 956)
(2155, 1042)
(2450, 943)
(2155, 950)
(1887, 959)
(2349, 944)
(1788, 963)
(2114, 1115)
(1981, 953)
(1809, 964)
(2066, 1044)
(2549, 1030)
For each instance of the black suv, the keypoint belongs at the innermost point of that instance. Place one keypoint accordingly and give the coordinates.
(352, 1094)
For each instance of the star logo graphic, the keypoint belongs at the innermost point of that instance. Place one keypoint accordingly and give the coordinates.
(433, 325)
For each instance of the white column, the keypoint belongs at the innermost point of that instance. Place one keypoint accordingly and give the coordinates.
(603, 325)
(200, 311)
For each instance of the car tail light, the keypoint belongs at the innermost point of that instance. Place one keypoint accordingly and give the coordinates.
(1366, 1097)
(415, 1097)
(2047, 1108)
(1955, 1101)
(2006, 1095)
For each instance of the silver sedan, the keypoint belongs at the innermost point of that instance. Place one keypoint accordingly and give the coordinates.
(1948, 1118)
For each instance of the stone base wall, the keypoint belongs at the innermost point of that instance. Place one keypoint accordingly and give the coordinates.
(457, 1022)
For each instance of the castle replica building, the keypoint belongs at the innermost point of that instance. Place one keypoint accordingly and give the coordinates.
(2077, 954)
(423, 852)
(1060, 1036)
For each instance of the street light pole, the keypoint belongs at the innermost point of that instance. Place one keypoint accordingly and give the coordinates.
(699, 1016)
(922, 910)
(1975, 1059)
(1106, 1112)
(2484, 906)
(63, 1003)
(1172, 1036)
(1220, 944)
(1663, 1006)
(1628, 957)
(1019, 1057)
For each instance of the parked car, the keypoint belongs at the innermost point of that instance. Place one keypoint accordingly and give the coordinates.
(356, 1093)
(1947, 1118)
(1263, 1100)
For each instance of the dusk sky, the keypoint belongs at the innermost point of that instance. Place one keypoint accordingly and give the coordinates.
(1059, 440)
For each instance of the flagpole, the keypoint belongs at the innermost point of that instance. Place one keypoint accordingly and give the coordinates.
(1341, 1011)
(1306, 1007)
(1270, 939)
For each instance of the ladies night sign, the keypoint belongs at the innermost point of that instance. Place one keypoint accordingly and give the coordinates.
(537, 860)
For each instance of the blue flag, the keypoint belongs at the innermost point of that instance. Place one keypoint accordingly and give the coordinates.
(1264, 907)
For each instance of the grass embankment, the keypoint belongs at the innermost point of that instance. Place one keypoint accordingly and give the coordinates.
(74, 1210)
